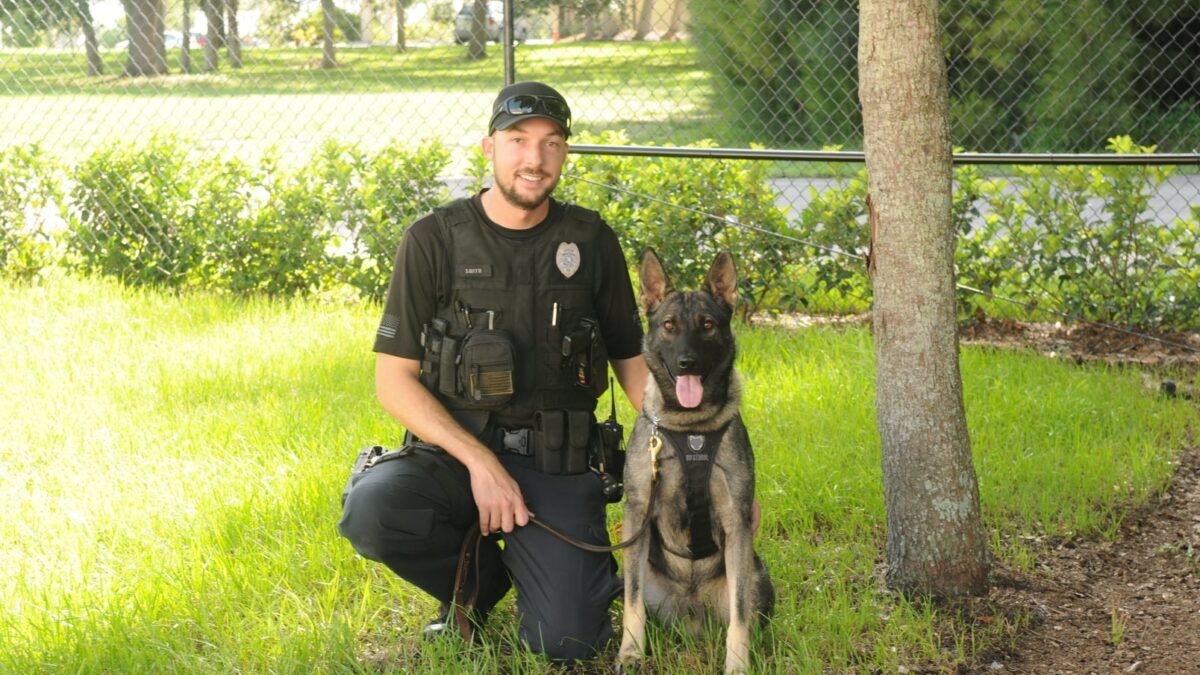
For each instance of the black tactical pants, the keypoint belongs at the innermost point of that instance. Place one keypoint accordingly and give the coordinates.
(401, 513)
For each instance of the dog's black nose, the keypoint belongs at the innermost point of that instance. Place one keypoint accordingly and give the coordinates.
(686, 362)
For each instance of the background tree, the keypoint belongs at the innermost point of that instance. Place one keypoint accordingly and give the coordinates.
(401, 30)
(91, 47)
(328, 57)
(233, 41)
(147, 50)
(476, 43)
(212, 38)
(935, 538)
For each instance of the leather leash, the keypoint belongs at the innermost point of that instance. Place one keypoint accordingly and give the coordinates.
(469, 551)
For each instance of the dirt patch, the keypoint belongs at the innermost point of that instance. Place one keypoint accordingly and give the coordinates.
(1127, 606)
(1088, 343)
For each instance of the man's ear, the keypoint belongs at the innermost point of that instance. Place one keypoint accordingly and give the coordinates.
(488, 145)
(654, 282)
(722, 279)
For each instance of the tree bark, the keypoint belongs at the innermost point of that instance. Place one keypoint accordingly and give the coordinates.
(476, 44)
(212, 38)
(677, 26)
(95, 64)
(936, 543)
(147, 50)
(328, 57)
(401, 37)
(645, 22)
(233, 41)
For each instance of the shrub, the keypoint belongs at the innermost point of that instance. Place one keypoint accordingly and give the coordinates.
(311, 31)
(29, 185)
(399, 186)
(1082, 243)
(687, 241)
(130, 217)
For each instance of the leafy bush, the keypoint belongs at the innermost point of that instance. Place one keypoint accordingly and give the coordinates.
(1081, 242)
(311, 31)
(155, 215)
(130, 215)
(28, 186)
(687, 241)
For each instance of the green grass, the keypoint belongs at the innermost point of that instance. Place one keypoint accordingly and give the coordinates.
(171, 466)
(657, 91)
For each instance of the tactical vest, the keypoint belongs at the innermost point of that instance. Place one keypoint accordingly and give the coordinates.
(538, 293)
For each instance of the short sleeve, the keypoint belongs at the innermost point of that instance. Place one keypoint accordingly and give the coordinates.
(412, 296)
(616, 309)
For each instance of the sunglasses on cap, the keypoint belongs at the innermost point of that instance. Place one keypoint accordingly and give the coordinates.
(531, 104)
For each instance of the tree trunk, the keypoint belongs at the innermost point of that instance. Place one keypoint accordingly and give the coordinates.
(95, 64)
(328, 59)
(233, 41)
(476, 44)
(147, 51)
(677, 26)
(216, 23)
(185, 50)
(401, 37)
(935, 539)
(212, 38)
(645, 20)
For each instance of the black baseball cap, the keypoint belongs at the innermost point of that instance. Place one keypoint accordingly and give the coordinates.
(523, 100)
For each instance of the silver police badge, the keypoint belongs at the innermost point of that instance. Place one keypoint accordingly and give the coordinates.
(568, 259)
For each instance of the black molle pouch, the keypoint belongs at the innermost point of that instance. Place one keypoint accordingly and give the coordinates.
(579, 437)
(487, 363)
(447, 380)
(549, 435)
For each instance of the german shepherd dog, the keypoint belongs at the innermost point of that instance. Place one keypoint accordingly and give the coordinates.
(698, 551)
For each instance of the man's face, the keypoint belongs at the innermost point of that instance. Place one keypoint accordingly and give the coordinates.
(527, 160)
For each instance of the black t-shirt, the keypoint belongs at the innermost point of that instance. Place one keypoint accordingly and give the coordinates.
(420, 262)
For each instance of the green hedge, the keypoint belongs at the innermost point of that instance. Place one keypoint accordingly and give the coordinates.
(157, 214)
(1074, 239)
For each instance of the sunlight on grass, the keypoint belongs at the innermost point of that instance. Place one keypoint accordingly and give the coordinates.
(172, 466)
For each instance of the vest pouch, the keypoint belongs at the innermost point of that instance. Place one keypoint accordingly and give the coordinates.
(447, 378)
(579, 437)
(549, 432)
(487, 362)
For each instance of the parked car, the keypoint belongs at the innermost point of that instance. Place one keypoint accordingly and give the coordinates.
(494, 20)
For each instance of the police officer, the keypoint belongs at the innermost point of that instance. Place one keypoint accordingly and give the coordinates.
(503, 314)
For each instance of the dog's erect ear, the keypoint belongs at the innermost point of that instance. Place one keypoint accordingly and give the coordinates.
(655, 284)
(722, 279)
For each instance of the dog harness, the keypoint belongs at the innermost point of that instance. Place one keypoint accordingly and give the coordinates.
(696, 452)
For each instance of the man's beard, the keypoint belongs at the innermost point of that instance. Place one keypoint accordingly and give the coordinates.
(511, 195)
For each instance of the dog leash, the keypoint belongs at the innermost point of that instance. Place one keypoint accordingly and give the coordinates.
(469, 551)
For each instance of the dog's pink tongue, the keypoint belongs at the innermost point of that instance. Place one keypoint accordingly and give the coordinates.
(688, 390)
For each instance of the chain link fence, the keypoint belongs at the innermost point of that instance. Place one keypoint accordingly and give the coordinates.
(266, 85)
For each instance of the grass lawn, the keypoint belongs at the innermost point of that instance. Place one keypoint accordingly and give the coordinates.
(171, 467)
(657, 91)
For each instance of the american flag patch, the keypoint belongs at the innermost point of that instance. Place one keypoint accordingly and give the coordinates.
(387, 327)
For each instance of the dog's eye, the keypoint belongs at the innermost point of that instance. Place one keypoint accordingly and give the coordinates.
(669, 324)
(709, 324)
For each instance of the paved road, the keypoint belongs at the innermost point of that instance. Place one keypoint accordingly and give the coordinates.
(1171, 201)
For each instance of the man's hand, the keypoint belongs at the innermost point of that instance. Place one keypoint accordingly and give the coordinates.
(498, 497)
